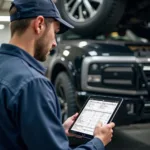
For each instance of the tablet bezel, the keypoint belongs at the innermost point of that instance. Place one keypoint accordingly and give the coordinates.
(100, 98)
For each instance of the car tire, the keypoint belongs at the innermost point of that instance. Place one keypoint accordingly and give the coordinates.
(66, 95)
(103, 20)
(63, 82)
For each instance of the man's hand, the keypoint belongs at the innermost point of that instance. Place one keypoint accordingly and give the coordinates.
(104, 133)
(67, 124)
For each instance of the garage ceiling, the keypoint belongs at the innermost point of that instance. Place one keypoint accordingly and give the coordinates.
(5, 5)
(4, 10)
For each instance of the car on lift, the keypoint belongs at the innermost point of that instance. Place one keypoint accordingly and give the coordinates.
(110, 65)
(94, 17)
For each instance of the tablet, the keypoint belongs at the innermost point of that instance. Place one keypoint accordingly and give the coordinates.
(97, 108)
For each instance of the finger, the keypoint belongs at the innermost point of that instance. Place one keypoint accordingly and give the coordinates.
(73, 135)
(111, 131)
(75, 116)
(79, 137)
(111, 125)
(99, 124)
(108, 127)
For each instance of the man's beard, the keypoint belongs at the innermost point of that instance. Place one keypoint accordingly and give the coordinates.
(40, 51)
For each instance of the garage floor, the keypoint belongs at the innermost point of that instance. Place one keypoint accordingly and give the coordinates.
(133, 137)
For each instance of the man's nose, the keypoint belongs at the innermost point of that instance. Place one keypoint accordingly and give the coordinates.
(54, 44)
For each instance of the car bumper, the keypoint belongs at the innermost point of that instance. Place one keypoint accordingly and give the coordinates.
(133, 109)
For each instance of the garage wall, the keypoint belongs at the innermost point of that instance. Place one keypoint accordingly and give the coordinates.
(5, 34)
(4, 9)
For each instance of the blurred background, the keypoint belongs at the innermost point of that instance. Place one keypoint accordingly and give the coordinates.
(129, 23)
(4, 21)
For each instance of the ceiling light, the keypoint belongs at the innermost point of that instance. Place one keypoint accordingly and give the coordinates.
(82, 44)
(66, 53)
(2, 26)
(4, 18)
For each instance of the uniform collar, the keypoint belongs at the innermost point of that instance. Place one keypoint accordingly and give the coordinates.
(16, 51)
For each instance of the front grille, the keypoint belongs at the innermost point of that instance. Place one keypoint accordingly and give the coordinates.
(147, 107)
(147, 74)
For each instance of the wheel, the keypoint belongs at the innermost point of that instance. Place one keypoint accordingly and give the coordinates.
(91, 17)
(66, 95)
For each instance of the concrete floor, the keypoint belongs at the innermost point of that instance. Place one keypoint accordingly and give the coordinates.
(133, 137)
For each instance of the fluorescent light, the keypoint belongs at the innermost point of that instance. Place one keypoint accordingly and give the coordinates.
(66, 53)
(4, 18)
(93, 53)
(82, 44)
(2, 26)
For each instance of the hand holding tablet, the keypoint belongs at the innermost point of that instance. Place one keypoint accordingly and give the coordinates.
(97, 109)
(104, 132)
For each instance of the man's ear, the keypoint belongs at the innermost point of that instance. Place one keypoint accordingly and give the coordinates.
(39, 24)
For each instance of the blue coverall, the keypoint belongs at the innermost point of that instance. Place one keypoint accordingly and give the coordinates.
(29, 109)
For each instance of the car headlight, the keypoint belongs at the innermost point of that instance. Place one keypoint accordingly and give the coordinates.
(94, 78)
(94, 75)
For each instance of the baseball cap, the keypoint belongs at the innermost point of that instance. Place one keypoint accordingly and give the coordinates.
(33, 8)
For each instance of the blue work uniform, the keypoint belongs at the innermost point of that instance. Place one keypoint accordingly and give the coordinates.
(30, 117)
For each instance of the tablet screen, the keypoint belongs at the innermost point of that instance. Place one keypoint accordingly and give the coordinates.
(93, 112)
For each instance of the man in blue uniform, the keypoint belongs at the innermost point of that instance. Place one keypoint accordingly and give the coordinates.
(29, 110)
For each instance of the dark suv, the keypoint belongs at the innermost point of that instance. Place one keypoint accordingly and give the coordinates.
(82, 67)
(94, 17)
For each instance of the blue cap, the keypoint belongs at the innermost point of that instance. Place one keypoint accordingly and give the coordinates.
(33, 8)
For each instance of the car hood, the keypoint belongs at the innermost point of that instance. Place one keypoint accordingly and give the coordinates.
(99, 48)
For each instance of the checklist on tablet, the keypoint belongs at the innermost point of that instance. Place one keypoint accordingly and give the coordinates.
(97, 109)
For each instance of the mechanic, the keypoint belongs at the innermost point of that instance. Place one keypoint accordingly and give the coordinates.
(30, 117)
